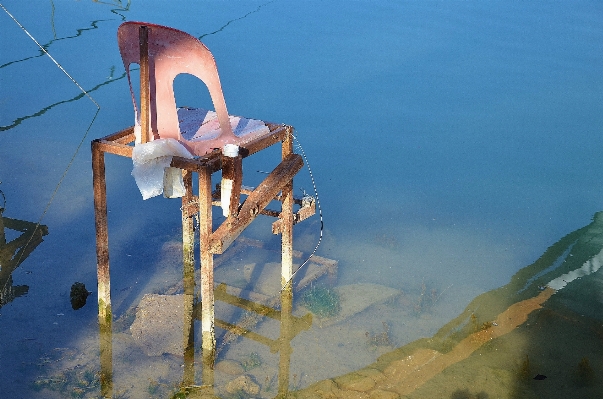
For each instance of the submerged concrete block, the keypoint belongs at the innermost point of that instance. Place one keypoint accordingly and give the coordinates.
(158, 327)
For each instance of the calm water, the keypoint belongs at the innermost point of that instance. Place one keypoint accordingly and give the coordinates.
(451, 143)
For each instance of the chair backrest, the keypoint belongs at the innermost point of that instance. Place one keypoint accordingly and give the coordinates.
(170, 53)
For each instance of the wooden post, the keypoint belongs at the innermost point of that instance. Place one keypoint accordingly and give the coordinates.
(102, 270)
(102, 236)
(106, 360)
(188, 263)
(145, 97)
(287, 217)
(232, 174)
(208, 344)
(286, 335)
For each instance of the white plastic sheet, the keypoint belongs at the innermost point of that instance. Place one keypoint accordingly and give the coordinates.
(152, 170)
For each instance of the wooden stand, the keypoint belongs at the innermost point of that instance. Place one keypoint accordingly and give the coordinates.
(277, 186)
(162, 53)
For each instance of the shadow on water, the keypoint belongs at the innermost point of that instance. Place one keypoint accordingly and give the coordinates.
(535, 337)
(15, 250)
(181, 312)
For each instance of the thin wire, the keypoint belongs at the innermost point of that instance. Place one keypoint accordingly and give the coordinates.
(83, 138)
(303, 154)
(50, 56)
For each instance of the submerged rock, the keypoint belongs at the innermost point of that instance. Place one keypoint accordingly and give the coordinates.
(355, 298)
(243, 384)
(229, 366)
(158, 324)
(78, 295)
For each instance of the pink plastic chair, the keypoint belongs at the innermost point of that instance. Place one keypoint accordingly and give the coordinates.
(170, 53)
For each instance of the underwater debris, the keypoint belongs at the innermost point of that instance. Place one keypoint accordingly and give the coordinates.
(426, 300)
(322, 301)
(476, 327)
(242, 386)
(379, 339)
(251, 361)
(78, 295)
(75, 382)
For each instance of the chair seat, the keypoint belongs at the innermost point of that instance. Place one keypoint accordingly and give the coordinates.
(199, 127)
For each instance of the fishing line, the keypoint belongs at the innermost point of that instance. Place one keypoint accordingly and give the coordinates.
(49, 56)
(85, 133)
(303, 154)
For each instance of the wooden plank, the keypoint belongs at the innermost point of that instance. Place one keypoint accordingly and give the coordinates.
(255, 202)
(232, 173)
(286, 218)
(102, 235)
(113, 148)
(278, 133)
(208, 336)
(121, 136)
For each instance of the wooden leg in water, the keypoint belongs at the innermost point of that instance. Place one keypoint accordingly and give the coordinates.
(286, 336)
(287, 220)
(188, 377)
(102, 237)
(188, 267)
(102, 268)
(106, 360)
(207, 277)
(287, 235)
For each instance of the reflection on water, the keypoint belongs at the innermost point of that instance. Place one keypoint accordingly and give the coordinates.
(498, 339)
(516, 309)
(14, 251)
(491, 117)
(188, 310)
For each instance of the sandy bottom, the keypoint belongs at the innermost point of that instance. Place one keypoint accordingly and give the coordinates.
(526, 341)
(522, 340)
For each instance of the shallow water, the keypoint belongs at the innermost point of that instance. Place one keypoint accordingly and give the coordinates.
(451, 143)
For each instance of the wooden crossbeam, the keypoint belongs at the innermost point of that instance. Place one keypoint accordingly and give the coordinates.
(256, 202)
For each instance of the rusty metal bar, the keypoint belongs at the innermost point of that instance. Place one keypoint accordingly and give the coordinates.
(145, 95)
(113, 148)
(277, 135)
(302, 214)
(106, 360)
(255, 202)
(124, 136)
(188, 233)
(188, 271)
(286, 216)
(207, 269)
(286, 335)
(273, 344)
(211, 162)
(102, 236)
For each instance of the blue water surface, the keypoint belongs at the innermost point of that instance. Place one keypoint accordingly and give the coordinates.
(451, 143)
